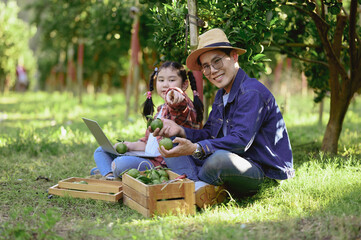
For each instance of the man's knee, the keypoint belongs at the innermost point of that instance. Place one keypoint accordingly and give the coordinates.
(217, 159)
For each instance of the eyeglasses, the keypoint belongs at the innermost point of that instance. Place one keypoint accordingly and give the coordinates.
(216, 63)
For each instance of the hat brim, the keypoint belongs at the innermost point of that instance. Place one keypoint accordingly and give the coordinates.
(191, 61)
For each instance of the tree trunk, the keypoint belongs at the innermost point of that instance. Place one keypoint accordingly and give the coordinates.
(80, 69)
(193, 36)
(320, 113)
(70, 68)
(2, 83)
(340, 101)
(333, 129)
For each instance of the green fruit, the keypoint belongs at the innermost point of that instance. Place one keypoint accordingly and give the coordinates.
(133, 173)
(156, 181)
(144, 179)
(166, 143)
(121, 148)
(163, 173)
(154, 175)
(156, 123)
(163, 179)
(149, 122)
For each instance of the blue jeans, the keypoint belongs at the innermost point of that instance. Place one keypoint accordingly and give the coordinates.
(183, 165)
(237, 174)
(110, 163)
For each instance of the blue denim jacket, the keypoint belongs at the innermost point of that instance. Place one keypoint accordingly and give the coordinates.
(256, 130)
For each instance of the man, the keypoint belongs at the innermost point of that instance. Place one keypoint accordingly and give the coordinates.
(244, 141)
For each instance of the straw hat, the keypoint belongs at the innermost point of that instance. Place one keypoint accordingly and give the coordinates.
(210, 40)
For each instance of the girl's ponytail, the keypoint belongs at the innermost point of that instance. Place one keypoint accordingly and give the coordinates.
(148, 106)
(198, 105)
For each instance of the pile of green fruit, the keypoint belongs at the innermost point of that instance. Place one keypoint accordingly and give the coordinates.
(157, 175)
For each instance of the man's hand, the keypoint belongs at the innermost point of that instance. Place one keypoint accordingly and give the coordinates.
(169, 129)
(184, 148)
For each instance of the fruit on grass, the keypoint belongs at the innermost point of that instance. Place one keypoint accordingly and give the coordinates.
(156, 123)
(121, 148)
(166, 143)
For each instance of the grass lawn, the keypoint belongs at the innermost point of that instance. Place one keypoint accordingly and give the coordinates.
(43, 140)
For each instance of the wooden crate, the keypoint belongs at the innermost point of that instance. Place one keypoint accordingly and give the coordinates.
(95, 189)
(149, 200)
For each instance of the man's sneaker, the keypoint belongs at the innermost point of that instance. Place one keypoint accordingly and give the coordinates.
(208, 195)
(95, 171)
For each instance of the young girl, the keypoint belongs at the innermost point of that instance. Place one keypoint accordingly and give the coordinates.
(171, 83)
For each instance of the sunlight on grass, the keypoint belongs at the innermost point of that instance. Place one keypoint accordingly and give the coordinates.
(43, 134)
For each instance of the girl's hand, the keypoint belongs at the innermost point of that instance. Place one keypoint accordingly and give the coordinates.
(174, 97)
(133, 146)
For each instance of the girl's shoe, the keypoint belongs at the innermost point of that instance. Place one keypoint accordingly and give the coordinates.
(110, 177)
(95, 171)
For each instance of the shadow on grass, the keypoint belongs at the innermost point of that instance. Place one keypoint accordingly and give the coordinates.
(306, 140)
(339, 219)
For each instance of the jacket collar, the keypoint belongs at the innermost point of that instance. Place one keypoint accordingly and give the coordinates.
(236, 87)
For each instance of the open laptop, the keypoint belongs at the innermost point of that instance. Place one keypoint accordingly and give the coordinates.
(104, 142)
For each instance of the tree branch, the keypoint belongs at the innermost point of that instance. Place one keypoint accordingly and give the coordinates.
(312, 14)
(352, 33)
(303, 59)
(317, 7)
(301, 45)
(348, 17)
(323, 9)
(323, 28)
(337, 39)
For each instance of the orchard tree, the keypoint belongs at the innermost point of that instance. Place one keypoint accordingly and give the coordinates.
(104, 26)
(323, 34)
(14, 39)
(326, 37)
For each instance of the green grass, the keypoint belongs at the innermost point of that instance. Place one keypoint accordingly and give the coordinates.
(43, 135)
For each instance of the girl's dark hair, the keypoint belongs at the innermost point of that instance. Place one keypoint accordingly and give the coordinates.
(198, 105)
(148, 108)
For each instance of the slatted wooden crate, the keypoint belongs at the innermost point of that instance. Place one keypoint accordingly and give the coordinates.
(150, 200)
(95, 189)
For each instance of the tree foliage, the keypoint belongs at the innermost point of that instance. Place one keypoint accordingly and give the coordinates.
(105, 26)
(322, 34)
(14, 45)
